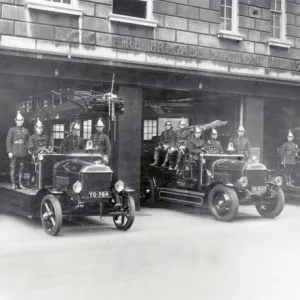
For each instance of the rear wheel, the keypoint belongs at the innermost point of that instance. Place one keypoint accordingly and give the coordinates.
(148, 191)
(125, 220)
(274, 207)
(51, 214)
(223, 203)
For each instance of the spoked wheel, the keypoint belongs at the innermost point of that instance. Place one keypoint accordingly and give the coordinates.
(273, 206)
(148, 191)
(51, 214)
(125, 220)
(223, 203)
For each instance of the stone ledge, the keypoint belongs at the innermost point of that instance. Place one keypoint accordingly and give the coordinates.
(58, 8)
(279, 43)
(224, 34)
(132, 20)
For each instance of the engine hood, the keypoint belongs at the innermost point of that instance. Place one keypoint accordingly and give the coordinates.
(228, 165)
(79, 165)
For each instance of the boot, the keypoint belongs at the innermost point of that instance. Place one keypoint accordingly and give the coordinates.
(164, 165)
(21, 172)
(176, 167)
(12, 178)
(156, 159)
(285, 176)
(290, 181)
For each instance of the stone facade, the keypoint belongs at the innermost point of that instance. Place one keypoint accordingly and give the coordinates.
(185, 36)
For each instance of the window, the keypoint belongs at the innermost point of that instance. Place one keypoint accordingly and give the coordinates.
(229, 20)
(138, 12)
(226, 15)
(87, 129)
(60, 1)
(58, 131)
(276, 19)
(150, 129)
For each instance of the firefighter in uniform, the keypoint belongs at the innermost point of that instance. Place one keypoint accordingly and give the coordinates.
(195, 143)
(38, 142)
(178, 144)
(165, 142)
(100, 142)
(16, 146)
(288, 153)
(73, 143)
(241, 144)
(213, 146)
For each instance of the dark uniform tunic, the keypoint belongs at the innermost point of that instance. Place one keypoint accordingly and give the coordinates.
(288, 153)
(194, 145)
(38, 142)
(16, 141)
(180, 138)
(167, 137)
(214, 147)
(101, 143)
(72, 144)
(242, 146)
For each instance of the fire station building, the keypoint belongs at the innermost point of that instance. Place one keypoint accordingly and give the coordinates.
(234, 60)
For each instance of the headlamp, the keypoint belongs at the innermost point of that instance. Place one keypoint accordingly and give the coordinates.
(243, 182)
(77, 187)
(278, 180)
(119, 186)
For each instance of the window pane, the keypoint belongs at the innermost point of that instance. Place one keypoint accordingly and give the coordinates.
(134, 8)
(222, 2)
(228, 24)
(150, 129)
(228, 2)
(277, 21)
(228, 13)
(273, 4)
(278, 5)
(277, 33)
(222, 24)
(222, 12)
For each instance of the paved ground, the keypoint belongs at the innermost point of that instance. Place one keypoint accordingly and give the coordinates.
(168, 254)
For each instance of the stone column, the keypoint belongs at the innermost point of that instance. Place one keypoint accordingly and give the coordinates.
(128, 145)
(254, 122)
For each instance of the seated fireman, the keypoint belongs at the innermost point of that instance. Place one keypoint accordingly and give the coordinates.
(101, 143)
(39, 142)
(179, 144)
(213, 146)
(195, 143)
(165, 142)
(73, 142)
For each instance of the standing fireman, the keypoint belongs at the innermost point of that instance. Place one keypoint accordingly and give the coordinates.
(213, 146)
(101, 143)
(165, 141)
(16, 145)
(242, 144)
(73, 142)
(288, 153)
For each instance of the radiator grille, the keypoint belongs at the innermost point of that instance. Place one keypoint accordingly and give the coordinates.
(256, 177)
(97, 181)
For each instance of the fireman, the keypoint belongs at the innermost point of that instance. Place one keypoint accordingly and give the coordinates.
(16, 145)
(288, 153)
(213, 145)
(178, 143)
(73, 142)
(195, 143)
(241, 144)
(100, 140)
(165, 142)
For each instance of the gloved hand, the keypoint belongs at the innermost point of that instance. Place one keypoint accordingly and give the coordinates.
(10, 155)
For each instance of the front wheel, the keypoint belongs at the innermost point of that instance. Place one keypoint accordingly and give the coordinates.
(223, 203)
(51, 214)
(274, 207)
(125, 220)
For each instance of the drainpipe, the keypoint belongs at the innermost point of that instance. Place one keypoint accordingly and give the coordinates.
(242, 111)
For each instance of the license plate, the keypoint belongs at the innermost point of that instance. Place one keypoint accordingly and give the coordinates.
(102, 194)
(258, 190)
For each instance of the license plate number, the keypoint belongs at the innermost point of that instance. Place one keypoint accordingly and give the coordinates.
(104, 194)
(258, 189)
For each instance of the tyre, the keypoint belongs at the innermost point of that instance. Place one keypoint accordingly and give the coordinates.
(125, 220)
(274, 208)
(148, 191)
(51, 214)
(223, 202)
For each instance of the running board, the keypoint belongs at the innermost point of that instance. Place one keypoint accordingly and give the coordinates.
(181, 196)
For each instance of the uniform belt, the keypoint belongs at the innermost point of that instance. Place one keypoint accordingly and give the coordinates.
(19, 142)
(290, 152)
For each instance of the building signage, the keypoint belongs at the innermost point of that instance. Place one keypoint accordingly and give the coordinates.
(204, 53)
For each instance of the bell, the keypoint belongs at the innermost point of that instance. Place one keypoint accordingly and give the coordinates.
(230, 147)
(89, 145)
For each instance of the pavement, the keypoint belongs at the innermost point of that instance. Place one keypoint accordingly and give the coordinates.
(171, 253)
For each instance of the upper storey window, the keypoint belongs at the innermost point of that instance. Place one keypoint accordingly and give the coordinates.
(229, 20)
(138, 12)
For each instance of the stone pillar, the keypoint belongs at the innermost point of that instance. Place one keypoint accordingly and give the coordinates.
(128, 146)
(254, 122)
